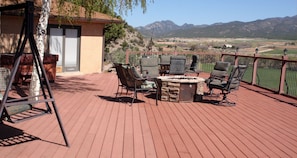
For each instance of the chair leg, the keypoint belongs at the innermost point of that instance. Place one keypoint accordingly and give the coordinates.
(210, 93)
(134, 97)
(118, 89)
(157, 96)
(226, 102)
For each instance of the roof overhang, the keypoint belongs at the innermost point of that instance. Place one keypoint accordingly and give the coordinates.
(79, 15)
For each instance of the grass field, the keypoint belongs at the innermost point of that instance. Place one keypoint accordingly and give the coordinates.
(279, 51)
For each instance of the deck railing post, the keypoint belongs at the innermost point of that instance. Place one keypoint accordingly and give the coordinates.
(283, 74)
(236, 58)
(127, 56)
(255, 66)
(222, 57)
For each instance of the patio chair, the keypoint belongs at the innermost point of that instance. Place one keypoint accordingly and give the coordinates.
(133, 81)
(218, 74)
(230, 85)
(149, 67)
(121, 80)
(177, 65)
(193, 68)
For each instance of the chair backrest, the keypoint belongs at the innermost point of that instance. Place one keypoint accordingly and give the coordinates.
(165, 59)
(149, 67)
(129, 76)
(120, 73)
(235, 77)
(194, 63)
(220, 69)
(177, 65)
(126, 79)
(219, 73)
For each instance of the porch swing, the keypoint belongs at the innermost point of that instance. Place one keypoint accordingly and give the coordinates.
(17, 109)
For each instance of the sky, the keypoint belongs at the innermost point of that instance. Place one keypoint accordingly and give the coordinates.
(200, 12)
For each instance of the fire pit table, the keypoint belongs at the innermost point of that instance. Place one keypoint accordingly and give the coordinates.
(180, 88)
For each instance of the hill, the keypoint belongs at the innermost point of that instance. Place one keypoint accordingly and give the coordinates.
(271, 28)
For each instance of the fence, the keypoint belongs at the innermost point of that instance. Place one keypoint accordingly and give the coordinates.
(276, 74)
(272, 73)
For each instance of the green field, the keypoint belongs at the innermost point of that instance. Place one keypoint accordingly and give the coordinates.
(281, 52)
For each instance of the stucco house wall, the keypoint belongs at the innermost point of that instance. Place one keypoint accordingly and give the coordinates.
(92, 42)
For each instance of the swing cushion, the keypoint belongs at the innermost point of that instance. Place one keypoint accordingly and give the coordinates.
(12, 110)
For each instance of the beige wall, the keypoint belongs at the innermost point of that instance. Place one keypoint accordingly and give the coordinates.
(91, 59)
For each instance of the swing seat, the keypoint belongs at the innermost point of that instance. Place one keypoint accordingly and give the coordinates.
(22, 112)
(12, 110)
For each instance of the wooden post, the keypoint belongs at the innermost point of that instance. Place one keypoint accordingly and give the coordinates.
(127, 56)
(222, 57)
(236, 58)
(283, 74)
(255, 66)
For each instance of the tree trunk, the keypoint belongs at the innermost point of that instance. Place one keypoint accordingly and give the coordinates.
(41, 35)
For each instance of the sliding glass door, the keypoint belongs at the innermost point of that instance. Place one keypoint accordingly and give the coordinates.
(65, 42)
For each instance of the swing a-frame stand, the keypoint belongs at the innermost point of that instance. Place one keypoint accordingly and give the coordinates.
(24, 108)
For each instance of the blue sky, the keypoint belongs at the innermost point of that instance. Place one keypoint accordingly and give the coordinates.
(199, 12)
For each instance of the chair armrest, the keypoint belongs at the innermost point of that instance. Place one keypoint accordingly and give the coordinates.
(222, 78)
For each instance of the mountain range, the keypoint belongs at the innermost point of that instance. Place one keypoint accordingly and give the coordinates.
(271, 28)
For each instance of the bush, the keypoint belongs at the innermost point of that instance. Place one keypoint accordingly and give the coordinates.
(125, 45)
(117, 56)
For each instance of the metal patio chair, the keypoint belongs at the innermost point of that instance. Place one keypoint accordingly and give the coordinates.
(218, 74)
(230, 85)
(177, 65)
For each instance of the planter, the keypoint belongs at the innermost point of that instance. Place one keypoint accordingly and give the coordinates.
(24, 71)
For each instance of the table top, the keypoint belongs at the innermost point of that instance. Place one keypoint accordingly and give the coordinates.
(181, 79)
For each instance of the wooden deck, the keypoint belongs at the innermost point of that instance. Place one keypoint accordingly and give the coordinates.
(97, 125)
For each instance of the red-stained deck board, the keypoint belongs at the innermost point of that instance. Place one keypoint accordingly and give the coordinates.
(262, 124)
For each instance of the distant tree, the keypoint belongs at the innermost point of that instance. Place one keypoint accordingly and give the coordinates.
(125, 45)
(113, 32)
(150, 45)
(160, 49)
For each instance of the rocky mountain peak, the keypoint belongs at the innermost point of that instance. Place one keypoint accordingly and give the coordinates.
(275, 28)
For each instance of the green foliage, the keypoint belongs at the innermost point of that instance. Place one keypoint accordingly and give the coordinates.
(160, 49)
(117, 56)
(103, 6)
(130, 29)
(150, 44)
(134, 59)
(113, 32)
(125, 45)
